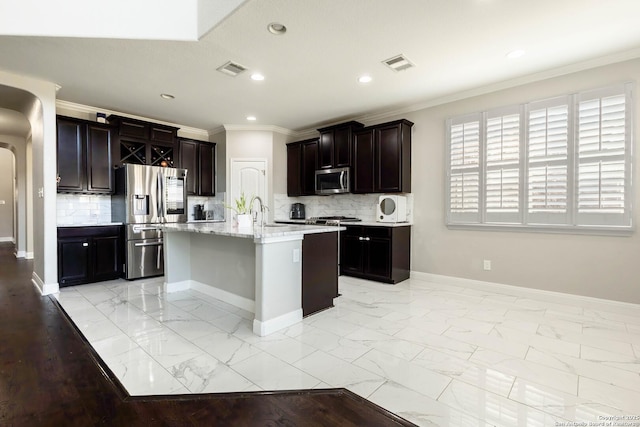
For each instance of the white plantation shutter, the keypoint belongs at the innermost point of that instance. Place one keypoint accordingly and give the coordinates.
(603, 157)
(562, 163)
(502, 183)
(548, 155)
(463, 135)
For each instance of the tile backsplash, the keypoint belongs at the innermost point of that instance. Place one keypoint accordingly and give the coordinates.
(361, 206)
(73, 209)
(214, 206)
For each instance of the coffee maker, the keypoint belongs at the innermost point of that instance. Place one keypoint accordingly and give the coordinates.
(297, 211)
(198, 212)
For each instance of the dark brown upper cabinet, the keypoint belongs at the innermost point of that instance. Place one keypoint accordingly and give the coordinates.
(334, 146)
(199, 158)
(302, 162)
(144, 143)
(382, 158)
(84, 156)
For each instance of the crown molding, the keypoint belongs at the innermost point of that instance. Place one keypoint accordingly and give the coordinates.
(92, 110)
(216, 130)
(390, 114)
(307, 134)
(264, 128)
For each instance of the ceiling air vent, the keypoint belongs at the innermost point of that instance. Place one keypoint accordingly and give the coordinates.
(398, 63)
(232, 69)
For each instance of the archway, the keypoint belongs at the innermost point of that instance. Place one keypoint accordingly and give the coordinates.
(29, 105)
(14, 134)
(7, 195)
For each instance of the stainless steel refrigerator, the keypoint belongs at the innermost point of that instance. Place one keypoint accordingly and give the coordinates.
(145, 197)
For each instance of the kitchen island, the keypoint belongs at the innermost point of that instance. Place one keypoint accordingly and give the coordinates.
(259, 270)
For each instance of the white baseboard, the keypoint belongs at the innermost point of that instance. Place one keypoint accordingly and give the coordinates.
(7, 239)
(228, 297)
(28, 255)
(177, 286)
(558, 297)
(44, 288)
(21, 254)
(273, 325)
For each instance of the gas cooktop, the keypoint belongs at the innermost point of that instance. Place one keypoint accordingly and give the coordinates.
(336, 219)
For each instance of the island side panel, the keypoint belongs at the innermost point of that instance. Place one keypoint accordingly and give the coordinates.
(224, 267)
(319, 271)
(278, 285)
(177, 256)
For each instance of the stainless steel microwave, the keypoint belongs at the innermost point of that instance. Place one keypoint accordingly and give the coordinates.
(332, 181)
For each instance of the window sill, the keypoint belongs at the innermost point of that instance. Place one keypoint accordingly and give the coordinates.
(550, 229)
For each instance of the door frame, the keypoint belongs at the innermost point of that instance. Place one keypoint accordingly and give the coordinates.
(232, 163)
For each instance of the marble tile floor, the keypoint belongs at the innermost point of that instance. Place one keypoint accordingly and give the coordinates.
(432, 353)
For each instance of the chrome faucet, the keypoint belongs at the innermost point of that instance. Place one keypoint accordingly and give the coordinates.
(263, 209)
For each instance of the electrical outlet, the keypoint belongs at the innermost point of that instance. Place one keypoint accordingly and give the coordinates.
(486, 264)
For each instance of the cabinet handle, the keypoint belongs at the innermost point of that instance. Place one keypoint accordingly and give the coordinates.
(361, 238)
(85, 245)
(367, 238)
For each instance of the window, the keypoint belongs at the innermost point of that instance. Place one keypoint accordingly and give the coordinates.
(562, 163)
(465, 168)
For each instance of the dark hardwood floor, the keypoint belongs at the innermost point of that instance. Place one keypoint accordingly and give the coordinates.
(50, 376)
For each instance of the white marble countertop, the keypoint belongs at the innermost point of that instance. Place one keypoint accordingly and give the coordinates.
(102, 224)
(257, 233)
(346, 223)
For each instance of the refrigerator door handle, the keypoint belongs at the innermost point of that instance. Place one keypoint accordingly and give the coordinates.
(159, 257)
(160, 197)
(148, 244)
(137, 229)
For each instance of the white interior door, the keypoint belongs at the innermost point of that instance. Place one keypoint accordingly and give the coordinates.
(248, 176)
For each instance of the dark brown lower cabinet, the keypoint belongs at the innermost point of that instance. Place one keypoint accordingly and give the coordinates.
(319, 271)
(89, 254)
(382, 254)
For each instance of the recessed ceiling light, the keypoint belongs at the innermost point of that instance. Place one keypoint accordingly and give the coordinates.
(166, 96)
(515, 54)
(257, 77)
(276, 28)
(251, 118)
(365, 79)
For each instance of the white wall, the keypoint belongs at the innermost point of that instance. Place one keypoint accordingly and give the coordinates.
(248, 143)
(267, 142)
(596, 266)
(41, 174)
(7, 189)
(280, 162)
(14, 130)
(220, 138)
